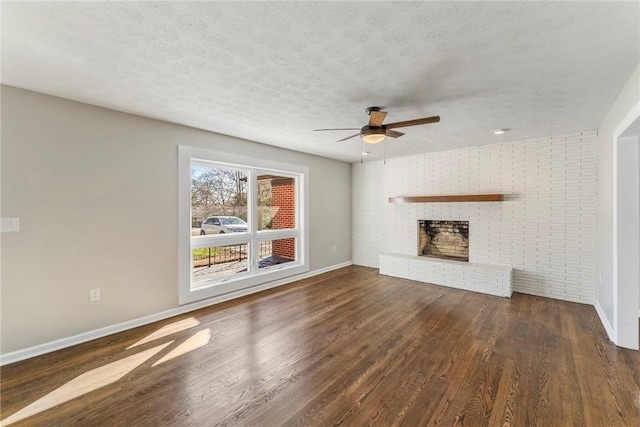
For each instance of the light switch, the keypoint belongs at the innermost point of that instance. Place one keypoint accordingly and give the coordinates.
(10, 224)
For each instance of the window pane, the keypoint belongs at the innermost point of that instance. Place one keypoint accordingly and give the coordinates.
(276, 202)
(218, 200)
(215, 263)
(274, 252)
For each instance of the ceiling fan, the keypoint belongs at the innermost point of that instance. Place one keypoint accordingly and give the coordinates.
(375, 131)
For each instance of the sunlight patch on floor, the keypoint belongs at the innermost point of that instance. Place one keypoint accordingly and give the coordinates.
(85, 383)
(167, 330)
(199, 339)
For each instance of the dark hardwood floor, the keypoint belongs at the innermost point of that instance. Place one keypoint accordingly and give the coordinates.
(348, 348)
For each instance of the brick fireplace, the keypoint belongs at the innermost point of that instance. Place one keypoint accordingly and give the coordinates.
(442, 258)
(444, 239)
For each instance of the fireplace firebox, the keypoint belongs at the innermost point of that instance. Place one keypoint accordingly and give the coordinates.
(444, 239)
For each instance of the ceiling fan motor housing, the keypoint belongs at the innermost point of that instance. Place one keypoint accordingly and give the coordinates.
(370, 109)
(372, 135)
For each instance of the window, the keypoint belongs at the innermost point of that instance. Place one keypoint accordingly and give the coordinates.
(242, 223)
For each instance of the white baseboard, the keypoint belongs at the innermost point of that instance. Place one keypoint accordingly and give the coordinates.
(607, 326)
(37, 350)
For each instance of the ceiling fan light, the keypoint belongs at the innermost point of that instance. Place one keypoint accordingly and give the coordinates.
(372, 136)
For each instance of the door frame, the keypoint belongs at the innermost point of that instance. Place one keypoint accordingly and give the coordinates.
(626, 289)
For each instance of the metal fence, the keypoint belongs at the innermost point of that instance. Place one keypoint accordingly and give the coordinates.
(225, 254)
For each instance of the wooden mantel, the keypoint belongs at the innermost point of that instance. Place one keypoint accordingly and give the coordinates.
(448, 199)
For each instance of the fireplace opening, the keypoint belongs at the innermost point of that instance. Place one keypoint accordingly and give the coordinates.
(444, 239)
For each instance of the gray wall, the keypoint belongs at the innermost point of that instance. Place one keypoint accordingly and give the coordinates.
(96, 194)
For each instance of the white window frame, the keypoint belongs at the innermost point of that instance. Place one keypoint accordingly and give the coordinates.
(255, 276)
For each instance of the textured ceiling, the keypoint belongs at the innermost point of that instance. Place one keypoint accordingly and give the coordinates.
(274, 71)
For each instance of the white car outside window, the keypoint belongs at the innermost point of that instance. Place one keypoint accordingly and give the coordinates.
(223, 224)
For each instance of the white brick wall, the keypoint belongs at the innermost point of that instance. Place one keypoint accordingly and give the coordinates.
(545, 229)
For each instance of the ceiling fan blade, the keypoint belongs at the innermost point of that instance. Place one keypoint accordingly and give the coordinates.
(317, 130)
(415, 122)
(393, 133)
(349, 137)
(376, 118)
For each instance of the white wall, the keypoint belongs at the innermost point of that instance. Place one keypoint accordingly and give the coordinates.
(96, 194)
(545, 229)
(366, 213)
(628, 97)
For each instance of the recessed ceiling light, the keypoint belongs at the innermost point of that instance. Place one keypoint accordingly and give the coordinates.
(366, 153)
(500, 131)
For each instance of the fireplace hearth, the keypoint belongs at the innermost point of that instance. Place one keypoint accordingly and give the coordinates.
(444, 239)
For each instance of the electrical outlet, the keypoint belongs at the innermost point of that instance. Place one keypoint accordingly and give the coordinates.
(10, 224)
(94, 295)
(334, 248)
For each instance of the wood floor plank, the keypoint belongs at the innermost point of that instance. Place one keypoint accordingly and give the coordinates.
(506, 395)
(350, 347)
